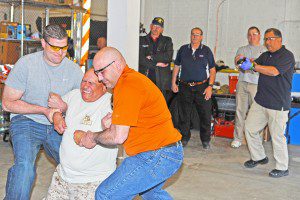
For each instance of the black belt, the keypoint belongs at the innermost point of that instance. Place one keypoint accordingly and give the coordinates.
(193, 83)
(172, 144)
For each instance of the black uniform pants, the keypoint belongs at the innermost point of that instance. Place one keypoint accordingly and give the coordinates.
(190, 96)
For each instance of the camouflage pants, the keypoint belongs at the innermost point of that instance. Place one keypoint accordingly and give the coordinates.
(60, 189)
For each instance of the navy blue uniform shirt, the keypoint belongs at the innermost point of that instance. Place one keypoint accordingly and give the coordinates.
(194, 67)
(274, 92)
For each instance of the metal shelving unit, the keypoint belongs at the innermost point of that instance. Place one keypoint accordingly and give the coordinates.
(42, 4)
(76, 27)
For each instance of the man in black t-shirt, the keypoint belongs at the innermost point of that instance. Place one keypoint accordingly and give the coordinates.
(272, 102)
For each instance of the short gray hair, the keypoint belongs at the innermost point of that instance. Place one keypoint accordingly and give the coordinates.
(54, 31)
(197, 28)
(276, 32)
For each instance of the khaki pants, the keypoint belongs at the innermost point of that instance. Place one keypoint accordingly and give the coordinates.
(244, 98)
(258, 117)
(62, 190)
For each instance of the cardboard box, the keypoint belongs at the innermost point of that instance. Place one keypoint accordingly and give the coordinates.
(66, 2)
(61, 2)
(19, 32)
(8, 29)
(51, 1)
(3, 27)
(11, 32)
(28, 30)
(3, 35)
(38, 0)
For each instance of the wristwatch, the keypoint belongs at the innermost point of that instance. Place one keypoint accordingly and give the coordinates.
(211, 85)
(253, 66)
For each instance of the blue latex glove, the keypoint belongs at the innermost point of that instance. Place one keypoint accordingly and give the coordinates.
(247, 65)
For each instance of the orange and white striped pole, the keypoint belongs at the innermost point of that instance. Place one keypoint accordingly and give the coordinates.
(85, 32)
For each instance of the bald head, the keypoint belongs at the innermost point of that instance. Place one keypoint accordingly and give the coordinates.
(90, 72)
(109, 65)
(107, 55)
(101, 42)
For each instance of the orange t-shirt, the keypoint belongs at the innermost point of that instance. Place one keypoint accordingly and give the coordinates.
(138, 103)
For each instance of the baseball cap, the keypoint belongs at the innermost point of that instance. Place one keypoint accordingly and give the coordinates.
(158, 21)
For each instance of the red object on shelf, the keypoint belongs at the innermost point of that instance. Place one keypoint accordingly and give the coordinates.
(223, 128)
(232, 84)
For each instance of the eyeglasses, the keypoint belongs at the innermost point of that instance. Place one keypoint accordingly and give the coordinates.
(103, 68)
(196, 34)
(253, 34)
(270, 38)
(56, 48)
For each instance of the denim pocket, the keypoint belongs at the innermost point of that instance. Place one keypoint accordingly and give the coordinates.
(173, 153)
(167, 162)
(17, 123)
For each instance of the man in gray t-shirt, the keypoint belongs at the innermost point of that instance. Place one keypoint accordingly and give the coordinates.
(247, 84)
(32, 92)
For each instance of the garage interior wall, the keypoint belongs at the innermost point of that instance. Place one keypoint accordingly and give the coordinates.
(235, 17)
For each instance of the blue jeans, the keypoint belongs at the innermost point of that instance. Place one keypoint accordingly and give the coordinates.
(143, 174)
(27, 137)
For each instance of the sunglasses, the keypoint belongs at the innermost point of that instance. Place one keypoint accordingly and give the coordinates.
(56, 48)
(101, 70)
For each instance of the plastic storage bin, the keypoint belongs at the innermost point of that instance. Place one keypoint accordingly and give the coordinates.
(226, 104)
(223, 128)
(293, 128)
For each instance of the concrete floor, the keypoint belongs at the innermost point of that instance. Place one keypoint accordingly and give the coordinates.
(214, 174)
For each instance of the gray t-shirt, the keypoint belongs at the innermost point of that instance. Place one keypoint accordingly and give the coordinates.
(250, 52)
(32, 75)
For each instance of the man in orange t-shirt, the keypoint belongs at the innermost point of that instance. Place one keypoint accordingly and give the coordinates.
(141, 120)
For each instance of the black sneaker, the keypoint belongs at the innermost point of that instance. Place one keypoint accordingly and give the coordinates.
(184, 142)
(251, 163)
(275, 173)
(205, 145)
